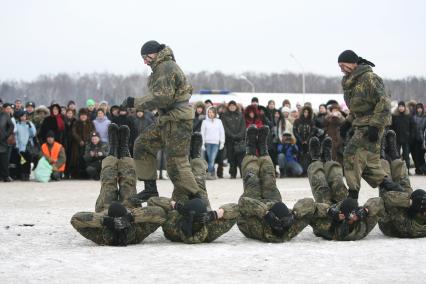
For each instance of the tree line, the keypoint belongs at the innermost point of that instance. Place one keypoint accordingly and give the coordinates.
(114, 88)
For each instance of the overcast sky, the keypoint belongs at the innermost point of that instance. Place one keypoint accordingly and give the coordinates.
(52, 36)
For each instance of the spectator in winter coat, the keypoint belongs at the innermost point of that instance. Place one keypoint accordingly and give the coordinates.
(252, 116)
(54, 122)
(81, 131)
(25, 132)
(114, 112)
(332, 122)
(288, 156)
(68, 139)
(199, 116)
(142, 120)
(417, 149)
(101, 124)
(235, 129)
(94, 153)
(405, 129)
(55, 155)
(213, 135)
(6, 129)
(319, 119)
(304, 129)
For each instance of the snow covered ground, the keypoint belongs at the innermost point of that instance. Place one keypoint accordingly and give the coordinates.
(51, 251)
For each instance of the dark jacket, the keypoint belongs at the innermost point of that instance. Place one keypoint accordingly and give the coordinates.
(420, 121)
(50, 123)
(6, 129)
(140, 123)
(404, 126)
(100, 150)
(198, 118)
(80, 133)
(234, 125)
(304, 128)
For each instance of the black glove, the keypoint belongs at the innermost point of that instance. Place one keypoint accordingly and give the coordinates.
(419, 203)
(121, 223)
(206, 218)
(344, 129)
(179, 207)
(273, 221)
(353, 194)
(287, 221)
(373, 134)
(333, 212)
(29, 124)
(362, 213)
(129, 102)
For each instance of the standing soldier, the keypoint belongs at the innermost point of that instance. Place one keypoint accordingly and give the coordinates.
(369, 107)
(169, 92)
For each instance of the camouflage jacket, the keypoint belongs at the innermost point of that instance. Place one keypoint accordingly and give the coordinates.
(253, 225)
(203, 233)
(101, 147)
(365, 96)
(324, 226)
(167, 86)
(397, 221)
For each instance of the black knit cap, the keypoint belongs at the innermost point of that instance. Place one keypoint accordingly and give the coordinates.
(50, 133)
(280, 210)
(401, 103)
(116, 209)
(348, 205)
(232, 103)
(151, 46)
(254, 99)
(348, 56)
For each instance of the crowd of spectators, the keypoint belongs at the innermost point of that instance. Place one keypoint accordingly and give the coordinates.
(75, 140)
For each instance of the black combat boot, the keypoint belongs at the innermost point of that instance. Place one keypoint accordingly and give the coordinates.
(262, 141)
(149, 191)
(123, 141)
(314, 148)
(389, 185)
(353, 194)
(251, 140)
(113, 139)
(391, 148)
(196, 145)
(327, 144)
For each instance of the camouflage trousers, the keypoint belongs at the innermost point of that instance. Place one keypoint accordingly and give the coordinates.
(203, 233)
(253, 225)
(361, 158)
(326, 180)
(147, 220)
(259, 178)
(174, 137)
(397, 170)
(118, 182)
(324, 226)
(397, 222)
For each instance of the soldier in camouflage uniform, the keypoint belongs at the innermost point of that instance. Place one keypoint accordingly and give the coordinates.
(112, 223)
(191, 222)
(369, 107)
(263, 215)
(346, 221)
(325, 175)
(169, 92)
(337, 217)
(405, 212)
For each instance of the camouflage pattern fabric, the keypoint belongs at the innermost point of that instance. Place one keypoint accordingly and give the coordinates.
(369, 105)
(324, 226)
(259, 178)
(203, 233)
(361, 158)
(365, 96)
(253, 225)
(118, 182)
(326, 181)
(147, 220)
(397, 222)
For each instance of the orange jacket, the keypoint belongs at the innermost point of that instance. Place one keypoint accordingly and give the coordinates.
(53, 154)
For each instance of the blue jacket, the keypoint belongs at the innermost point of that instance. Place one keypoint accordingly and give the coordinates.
(290, 151)
(24, 132)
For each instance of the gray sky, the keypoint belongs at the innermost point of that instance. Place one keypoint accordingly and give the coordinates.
(51, 36)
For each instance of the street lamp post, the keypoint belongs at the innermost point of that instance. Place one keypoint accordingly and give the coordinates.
(253, 89)
(303, 74)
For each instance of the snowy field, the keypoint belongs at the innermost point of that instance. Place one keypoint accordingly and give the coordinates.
(51, 251)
